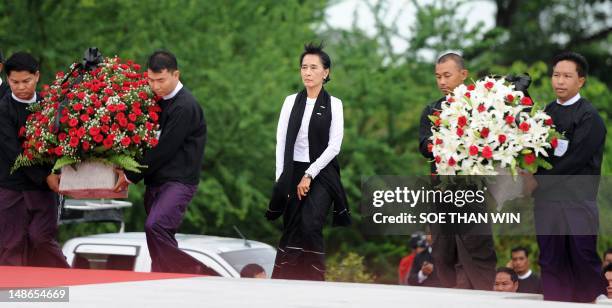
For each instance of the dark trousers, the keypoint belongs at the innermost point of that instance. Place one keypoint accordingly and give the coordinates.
(165, 206)
(301, 250)
(567, 237)
(28, 227)
(464, 261)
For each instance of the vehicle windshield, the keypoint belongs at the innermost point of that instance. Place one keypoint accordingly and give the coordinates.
(263, 257)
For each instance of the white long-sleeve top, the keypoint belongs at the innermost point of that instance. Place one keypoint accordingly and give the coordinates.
(301, 148)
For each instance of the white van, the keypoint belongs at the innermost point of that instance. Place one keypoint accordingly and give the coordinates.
(128, 251)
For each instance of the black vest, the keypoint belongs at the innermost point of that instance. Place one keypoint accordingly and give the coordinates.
(318, 139)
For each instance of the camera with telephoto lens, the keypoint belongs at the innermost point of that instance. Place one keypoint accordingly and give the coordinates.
(91, 58)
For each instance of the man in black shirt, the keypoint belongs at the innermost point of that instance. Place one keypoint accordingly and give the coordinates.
(566, 213)
(423, 272)
(463, 258)
(28, 207)
(173, 166)
(529, 282)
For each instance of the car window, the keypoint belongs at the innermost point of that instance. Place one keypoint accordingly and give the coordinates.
(214, 268)
(263, 257)
(98, 256)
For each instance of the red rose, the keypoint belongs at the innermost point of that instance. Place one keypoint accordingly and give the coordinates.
(143, 95)
(73, 122)
(123, 122)
(105, 119)
(154, 116)
(501, 138)
(132, 117)
(115, 127)
(108, 143)
(451, 162)
(524, 126)
(98, 138)
(473, 150)
(487, 152)
(149, 125)
(548, 121)
(153, 142)
(451, 99)
(136, 139)
(131, 127)
(459, 131)
(461, 121)
(59, 150)
(90, 110)
(109, 92)
(105, 128)
(121, 107)
(554, 143)
(62, 136)
(509, 120)
(70, 96)
(489, 85)
(81, 132)
(438, 159)
(529, 158)
(526, 101)
(429, 147)
(481, 108)
(438, 141)
(85, 145)
(84, 118)
(471, 87)
(510, 98)
(74, 141)
(112, 108)
(125, 141)
(81, 95)
(94, 131)
(468, 95)
(22, 131)
(136, 67)
(484, 133)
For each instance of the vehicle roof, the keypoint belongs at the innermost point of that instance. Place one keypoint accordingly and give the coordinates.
(185, 241)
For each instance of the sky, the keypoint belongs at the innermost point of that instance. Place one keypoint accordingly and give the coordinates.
(340, 15)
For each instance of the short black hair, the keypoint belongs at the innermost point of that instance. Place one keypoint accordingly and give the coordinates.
(312, 49)
(520, 248)
(21, 61)
(162, 60)
(250, 270)
(607, 252)
(582, 66)
(453, 56)
(509, 271)
(418, 239)
(607, 268)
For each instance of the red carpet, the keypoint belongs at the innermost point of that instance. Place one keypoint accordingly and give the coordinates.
(38, 277)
